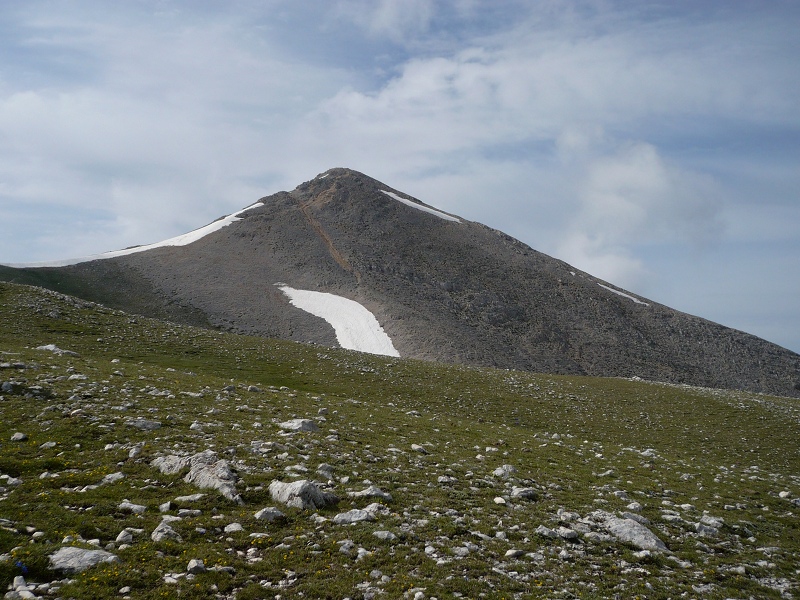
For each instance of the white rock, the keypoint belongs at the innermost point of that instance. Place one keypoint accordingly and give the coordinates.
(301, 494)
(514, 553)
(371, 492)
(633, 533)
(418, 448)
(170, 465)
(504, 471)
(233, 528)
(384, 535)
(124, 537)
(196, 567)
(525, 493)
(299, 425)
(165, 532)
(206, 471)
(545, 532)
(137, 509)
(353, 516)
(499, 500)
(188, 499)
(269, 514)
(112, 478)
(76, 560)
(19, 437)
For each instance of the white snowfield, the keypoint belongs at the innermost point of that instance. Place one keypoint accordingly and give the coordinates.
(181, 240)
(426, 209)
(623, 294)
(356, 328)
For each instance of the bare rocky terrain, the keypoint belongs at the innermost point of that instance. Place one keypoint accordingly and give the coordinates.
(443, 289)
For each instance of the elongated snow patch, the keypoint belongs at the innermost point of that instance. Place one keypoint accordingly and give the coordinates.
(181, 240)
(356, 328)
(623, 294)
(421, 207)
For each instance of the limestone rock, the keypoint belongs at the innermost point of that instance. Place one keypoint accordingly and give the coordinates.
(170, 465)
(504, 471)
(353, 516)
(301, 494)
(371, 492)
(206, 471)
(76, 560)
(143, 424)
(196, 567)
(164, 531)
(526, 493)
(269, 514)
(299, 425)
(636, 534)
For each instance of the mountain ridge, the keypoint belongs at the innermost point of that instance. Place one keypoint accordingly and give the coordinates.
(443, 289)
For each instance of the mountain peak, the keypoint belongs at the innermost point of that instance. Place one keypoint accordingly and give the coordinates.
(441, 288)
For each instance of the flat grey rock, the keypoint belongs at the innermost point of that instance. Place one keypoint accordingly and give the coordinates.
(76, 560)
(636, 534)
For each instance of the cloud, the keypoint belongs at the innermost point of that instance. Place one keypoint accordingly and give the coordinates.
(395, 19)
(603, 133)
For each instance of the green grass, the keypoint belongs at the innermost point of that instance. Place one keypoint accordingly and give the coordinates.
(710, 449)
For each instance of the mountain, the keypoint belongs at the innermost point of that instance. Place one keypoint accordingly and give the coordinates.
(436, 286)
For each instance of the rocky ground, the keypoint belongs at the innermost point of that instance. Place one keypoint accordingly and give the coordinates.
(140, 459)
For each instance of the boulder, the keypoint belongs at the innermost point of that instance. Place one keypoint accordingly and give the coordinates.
(76, 560)
(299, 425)
(636, 534)
(206, 471)
(301, 494)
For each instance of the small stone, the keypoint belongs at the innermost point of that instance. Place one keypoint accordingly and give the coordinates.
(418, 448)
(269, 514)
(165, 532)
(387, 536)
(353, 516)
(504, 471)
(567, 533)
(514, 553)
(196, 567)
(371, 492)
(545, 532)
(526, 493)
(499, 500)
(137, 509)
(19, 437)
(124, 590)
(187, 499)
(143, 424)
(124, 537)
(233, 528)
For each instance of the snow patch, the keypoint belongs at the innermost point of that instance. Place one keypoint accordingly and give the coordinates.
(421, 207)
(356, 328)
(623, 294)
(181, 240)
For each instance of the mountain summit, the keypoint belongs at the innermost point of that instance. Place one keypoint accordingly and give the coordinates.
(344, 260)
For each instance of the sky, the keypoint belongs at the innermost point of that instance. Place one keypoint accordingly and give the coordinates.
(655, 145)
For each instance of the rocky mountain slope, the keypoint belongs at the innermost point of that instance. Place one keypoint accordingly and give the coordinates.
(141, 459)
(441, 288)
